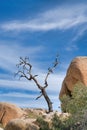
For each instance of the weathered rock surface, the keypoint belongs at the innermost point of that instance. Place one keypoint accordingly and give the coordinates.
(9, 111)
(1, 129)
(77, 72)
(20, 124)
(34, 113)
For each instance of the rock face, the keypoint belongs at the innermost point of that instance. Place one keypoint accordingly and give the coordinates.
(20, 124)
(1, 129)
(77, 72)
(8, 112)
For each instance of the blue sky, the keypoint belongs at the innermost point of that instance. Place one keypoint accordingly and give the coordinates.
(39, 29)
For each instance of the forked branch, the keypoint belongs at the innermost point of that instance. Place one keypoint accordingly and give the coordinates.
(25, 71)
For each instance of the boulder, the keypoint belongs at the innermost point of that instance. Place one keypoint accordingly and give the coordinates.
(77, 72)
(9, 111)
(20, 124)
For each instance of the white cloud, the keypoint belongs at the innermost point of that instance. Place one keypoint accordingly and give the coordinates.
(71, 47)
(63, 17)
(28, 100)
(54, 82)
(17, 84)
(23, 95)
(79, 33)
(9, 54)
(17, 95)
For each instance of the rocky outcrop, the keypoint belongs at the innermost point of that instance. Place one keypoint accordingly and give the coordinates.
(20, 124)
(9, 111)
(27, 123)
(77, 72)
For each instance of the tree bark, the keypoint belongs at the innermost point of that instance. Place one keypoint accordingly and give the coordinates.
(49, 103)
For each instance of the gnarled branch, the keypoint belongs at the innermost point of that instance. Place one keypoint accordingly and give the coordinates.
(25, 71)
(50, 70)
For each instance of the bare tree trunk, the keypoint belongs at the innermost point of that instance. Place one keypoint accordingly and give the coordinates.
(49, 103)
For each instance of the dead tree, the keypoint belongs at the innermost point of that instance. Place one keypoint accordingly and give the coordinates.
(25, 71)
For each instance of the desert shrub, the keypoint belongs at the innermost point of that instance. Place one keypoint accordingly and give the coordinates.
(77, 107)
(57, 123)
(62, 124)
(1, 126)
(77, 102)
(65, 101)
(43, 124)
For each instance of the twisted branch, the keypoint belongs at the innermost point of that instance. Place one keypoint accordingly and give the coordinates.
(50, 70)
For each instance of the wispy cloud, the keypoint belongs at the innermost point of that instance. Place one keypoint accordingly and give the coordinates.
(18, 95)
(79, 33)
(54, 82)
(63, 17)
(28, 100)
(27, 96)
(9, 54)
(72, 47)
(17, 84)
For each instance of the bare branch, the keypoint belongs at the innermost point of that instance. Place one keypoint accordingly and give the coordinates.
(25, 71)
(22, 74)
(25, 62)
(50, 70)
(35, 76)
(56, 61)
(39, 96)
(38, 85)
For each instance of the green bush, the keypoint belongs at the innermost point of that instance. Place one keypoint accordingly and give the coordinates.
(77, 107)
(43, 124)
(62, 124)
(57, 123)
(1, 126)
(77, 102)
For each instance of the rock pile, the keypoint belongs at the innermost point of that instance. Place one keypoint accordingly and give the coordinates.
(15, 118)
